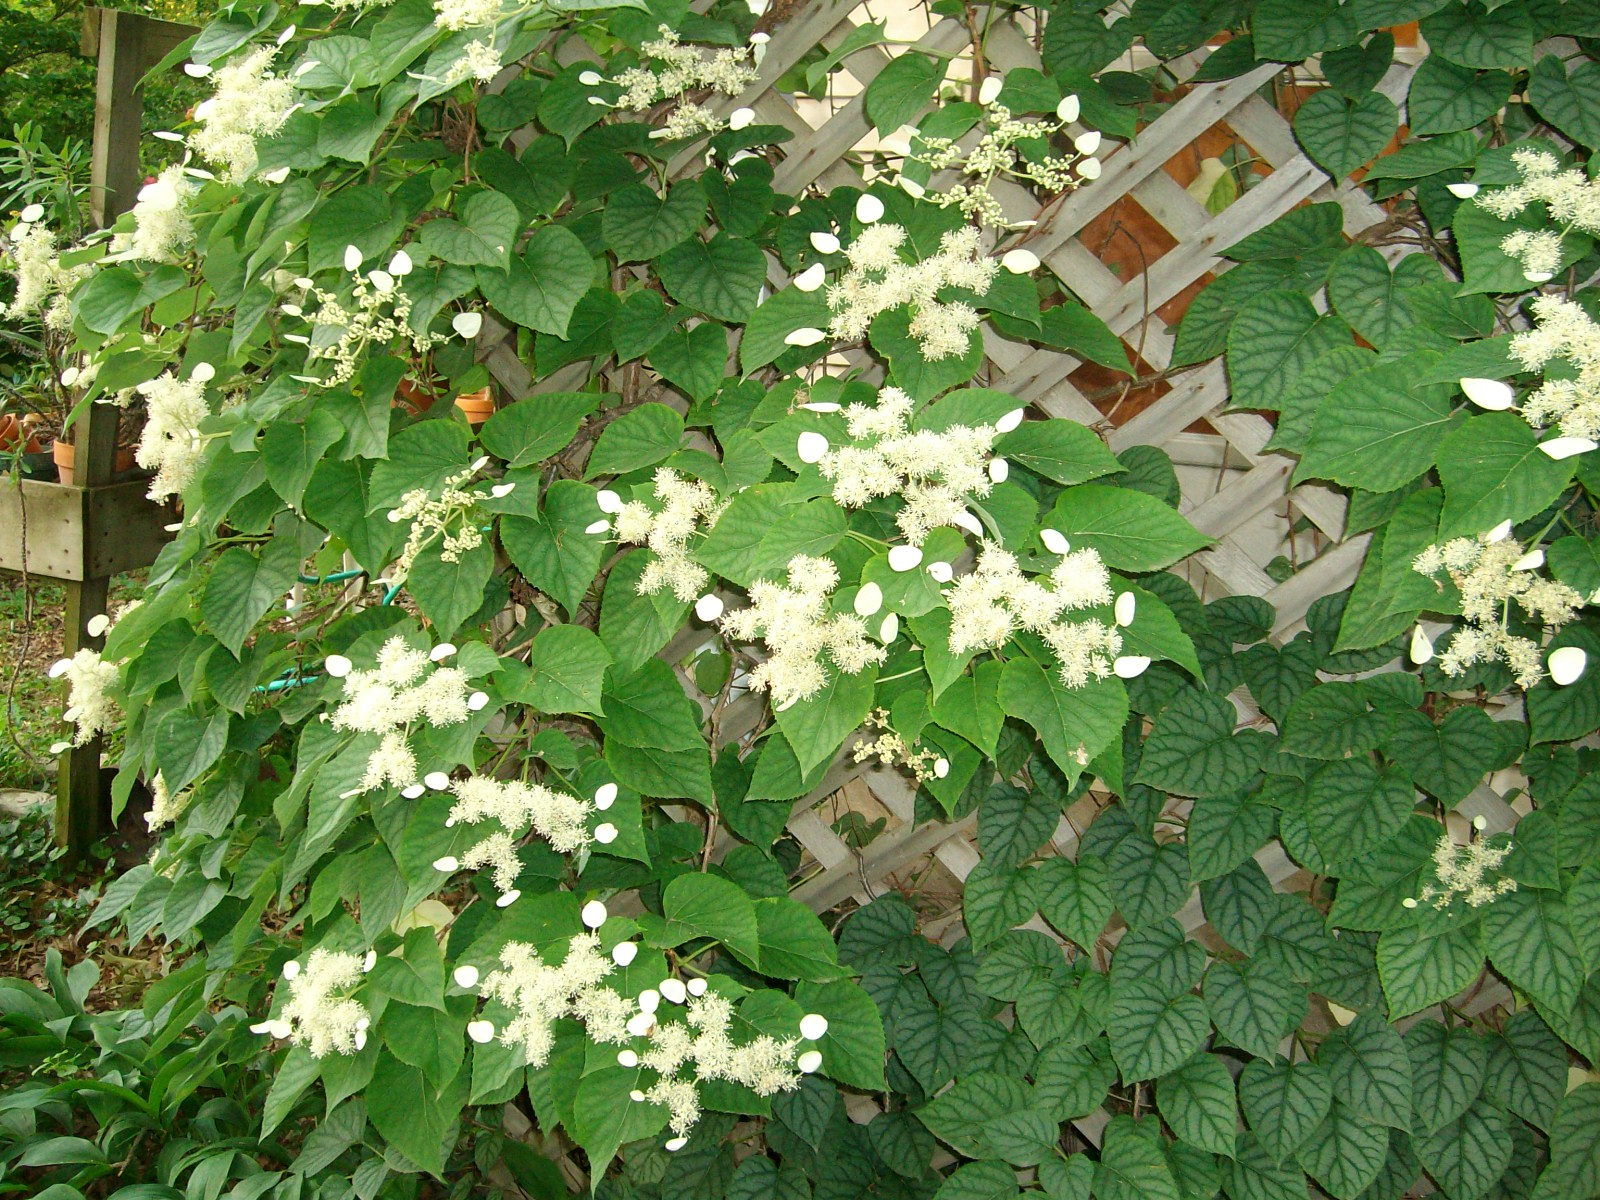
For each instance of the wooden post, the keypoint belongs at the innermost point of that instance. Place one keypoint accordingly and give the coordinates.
(127, 46)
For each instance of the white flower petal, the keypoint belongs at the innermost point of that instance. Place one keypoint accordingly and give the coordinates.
(1567, 663)
(1089, 168)
(196, 70)
(1011, 420)
(337, 665)
(649, 1000)
(442, 651)
(869, 209)
(467, 324)
(1130, 666)
(593, 914)
(1126, 603)
(481, 1032)
(1421, 646)
(1019, 261)
(97, 625)
(813, 1026)
(911, 187)
(942, 572)
(1531, 561)
(970, 523)
(449, 864)
(590, 78)
(605, 796)
(608, 501)
(624, 953)
(352, 258)
(605, 833)
(809, 1062)
(478, 701)
(673, 991)
(741, 118)
(412, 792)
(1054, 541)
(673, 1145)
(1566, 447)
(437, 781)
(890, 629)
(941, 768)
(824, 243)
(698, 986)
(59, 667)
(1493, 394)
(400, 265)
(501, 490)
(708, 608)
(1067, 110)
(1462, 191)
(466, 976)
(999, 470)
(904, 558)
(507, 900)
(869, 599)
(1087, 143)
(811, 446)
(811, 278)
(291, 969)
(370, 961)
(31, 213)
(1498, 533)
(807, 336)
(600, 526)
(627, 1058)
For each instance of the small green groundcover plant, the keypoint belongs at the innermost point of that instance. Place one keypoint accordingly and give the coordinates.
(477, 744)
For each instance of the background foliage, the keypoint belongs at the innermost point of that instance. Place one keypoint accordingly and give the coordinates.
(1341, 1034)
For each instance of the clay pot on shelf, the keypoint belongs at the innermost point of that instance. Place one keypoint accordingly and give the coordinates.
(478, 406)
(65, 455)
(17, 435)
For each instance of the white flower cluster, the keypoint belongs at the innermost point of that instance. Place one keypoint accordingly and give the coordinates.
(683, 1053)
(406, 685)
(1564, 330)
(449, 516)
(165, 808)
(997, 154)
(683, 69)
(687, 507)
(1490, 571)
(936, 473)
(318, 1014)
(41, 280)
(559, 819)
(162, 230)
(90, 705)
(171, 444)
(797, 628)
(480, 60)
(378, 312)
(250, 102)
(995, 600)
(456, 15)
(889, 748)
(880, 279)
(1572, 198)
(1460, 871)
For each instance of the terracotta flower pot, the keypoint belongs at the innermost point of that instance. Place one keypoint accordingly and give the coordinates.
(18, 437)
(478, 406)
(65, 455)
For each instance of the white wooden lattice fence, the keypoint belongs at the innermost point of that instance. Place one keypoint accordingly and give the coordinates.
(1232, 490)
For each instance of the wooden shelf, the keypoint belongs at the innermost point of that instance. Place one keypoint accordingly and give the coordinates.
(74, 533)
